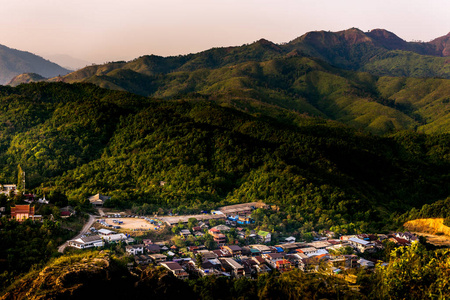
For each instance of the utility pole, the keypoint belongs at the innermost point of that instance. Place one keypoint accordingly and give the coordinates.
(23, 181)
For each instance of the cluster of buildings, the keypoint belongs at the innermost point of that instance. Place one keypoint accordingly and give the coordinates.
(249, 261)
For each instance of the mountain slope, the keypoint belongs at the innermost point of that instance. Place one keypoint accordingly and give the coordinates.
(82, 139)
(14, 62)
(291, 85)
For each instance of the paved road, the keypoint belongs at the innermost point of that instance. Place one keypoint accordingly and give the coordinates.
(83, 231)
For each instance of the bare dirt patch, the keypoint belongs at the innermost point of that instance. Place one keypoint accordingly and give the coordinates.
(433, 229)
(132, 224)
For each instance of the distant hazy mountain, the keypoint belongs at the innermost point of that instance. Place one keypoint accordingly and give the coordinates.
(68, 61)
(14, 62)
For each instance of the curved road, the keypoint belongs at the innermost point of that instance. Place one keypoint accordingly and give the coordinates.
(83, 231)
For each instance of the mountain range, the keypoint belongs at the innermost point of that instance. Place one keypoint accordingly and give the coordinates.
(370, 80)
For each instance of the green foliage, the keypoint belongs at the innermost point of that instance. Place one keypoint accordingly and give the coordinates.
(27, 244)
(286, 87)
(416, 272)
(79, 140)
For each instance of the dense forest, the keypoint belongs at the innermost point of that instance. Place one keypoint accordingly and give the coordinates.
(80, 140)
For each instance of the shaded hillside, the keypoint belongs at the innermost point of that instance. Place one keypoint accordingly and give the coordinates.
(84, 140)
(14, 62)
(102, 275)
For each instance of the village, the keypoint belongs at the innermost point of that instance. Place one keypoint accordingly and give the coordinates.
(231, 249)
(222, 242)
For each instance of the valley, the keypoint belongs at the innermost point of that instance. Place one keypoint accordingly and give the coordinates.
(282, 169)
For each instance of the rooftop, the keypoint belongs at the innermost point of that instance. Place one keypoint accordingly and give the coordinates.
(173, 220)
(173, 266)
(231, 209)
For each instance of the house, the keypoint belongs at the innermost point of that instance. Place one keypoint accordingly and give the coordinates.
(283, 265)
(258, 260)
(345, 238)
(104, 232)
(319, 244)
(361, 245)
(291, 247)
(244, 208)
(343, 261)
(87, 242)
(206, 254)
(264, 236)
(244, 220)
(185, 232)
(237, 270)
(329, 234)
(8, 188)
(43, 200)
(147, 242)
(153, 248)
(135, 249)
(261, 248)
(364, 263)
(114, 238)
(260, 264)
(218, 237)
(400, 241)
(272, 258)
(67, 212)
(407, 236)
(222, 253)
(233, 249)
(158, 258)
(307, 251)
(142, 259)
(24, 212)
(176, 270)
(98, 200)
(290, 239)
(221, 228)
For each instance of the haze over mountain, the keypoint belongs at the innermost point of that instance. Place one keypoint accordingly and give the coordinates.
(14, 62)
(67, 61)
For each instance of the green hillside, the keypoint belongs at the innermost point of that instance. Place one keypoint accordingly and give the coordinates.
(289, 86)
(310, 75)
(83, 140)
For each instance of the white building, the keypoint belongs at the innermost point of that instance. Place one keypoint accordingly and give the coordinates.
(135, 249)
(361, 245)
(114, 238)
(87, 242)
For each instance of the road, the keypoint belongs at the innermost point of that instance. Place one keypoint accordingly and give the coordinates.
(83, 231)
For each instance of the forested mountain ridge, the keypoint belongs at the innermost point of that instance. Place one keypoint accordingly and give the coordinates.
(350, 49)
(83, 139)
(14, 62)
(286, 80)
(282, 87)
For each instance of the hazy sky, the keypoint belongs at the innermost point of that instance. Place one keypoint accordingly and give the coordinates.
(109, 30)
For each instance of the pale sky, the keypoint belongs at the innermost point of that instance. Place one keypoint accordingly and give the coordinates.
(109, 30)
